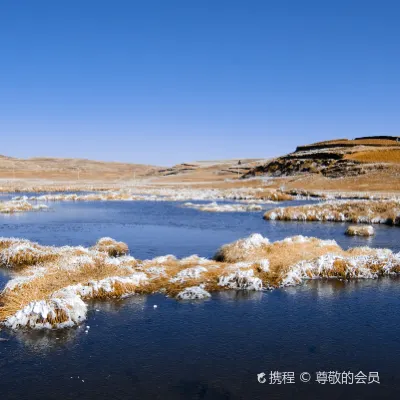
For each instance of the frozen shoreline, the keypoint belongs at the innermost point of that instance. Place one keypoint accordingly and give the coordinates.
(167, 194)
(215, 207)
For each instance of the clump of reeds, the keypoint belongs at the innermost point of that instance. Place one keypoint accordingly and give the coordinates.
(92, 278)
(17, 253)
(111, 247)
(58, 285)
(363, 230)
(255, 247)
(271, 195)
(17, 206)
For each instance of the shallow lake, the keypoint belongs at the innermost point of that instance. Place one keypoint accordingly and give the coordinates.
(203, 350)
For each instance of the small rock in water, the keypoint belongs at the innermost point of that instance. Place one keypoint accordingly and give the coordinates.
(3, 340)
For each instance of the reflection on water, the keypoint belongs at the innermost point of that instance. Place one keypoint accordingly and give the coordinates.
(239, 295)
(135, 303)
(45, 341)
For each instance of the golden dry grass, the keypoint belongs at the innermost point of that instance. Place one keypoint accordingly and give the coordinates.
(274, 195)
(251, 262)
(56, 278)
(209, 278)
(20, 254)
(17, 206)
(111, 247)
(360, 231)
(281, 255)
(391, 156)
(377, 181)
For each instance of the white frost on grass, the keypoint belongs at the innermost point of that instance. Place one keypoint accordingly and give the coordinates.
(307, 239)
(240, 265)
(360, 230)
(380, 262)
(78, 262)
(189, 273)
(156, 271)
(215, 207)
(264, 265)
(253, 241)
(20, 249)
(105, 286)
(54, 313)
(111, 246)
(195, 259)
(17, 206)
(22, 280)
(243, 248)
(241, 279)
(355, 211)
(193, 293)
(164, 259)
(150, 193)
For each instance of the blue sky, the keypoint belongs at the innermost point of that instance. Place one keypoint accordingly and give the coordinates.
(163, 82)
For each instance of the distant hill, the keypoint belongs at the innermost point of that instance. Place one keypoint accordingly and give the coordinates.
(335, 158)
(70, 169)
(213, 170)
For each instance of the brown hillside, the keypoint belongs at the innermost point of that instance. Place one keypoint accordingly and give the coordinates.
(70, 169)
(336, 158)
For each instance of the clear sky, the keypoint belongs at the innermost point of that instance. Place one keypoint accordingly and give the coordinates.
(168, 81)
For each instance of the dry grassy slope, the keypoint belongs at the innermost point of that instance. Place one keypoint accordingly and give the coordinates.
(364, 164)
(206, 171)
(387, 155)
(335, 158)
(70, 169)
(42, 174)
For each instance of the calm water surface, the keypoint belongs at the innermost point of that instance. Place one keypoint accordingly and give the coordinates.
(205, 350)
